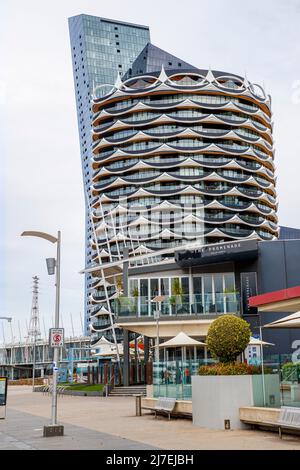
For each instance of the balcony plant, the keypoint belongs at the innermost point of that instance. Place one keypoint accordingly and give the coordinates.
(291, 372)
(230, 294)
(135, 294)
(177, 293)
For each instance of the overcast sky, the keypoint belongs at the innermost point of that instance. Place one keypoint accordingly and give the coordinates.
(41, 185)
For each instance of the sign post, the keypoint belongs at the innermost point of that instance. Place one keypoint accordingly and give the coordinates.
(56, 337)
(3, 394)
(56, 341)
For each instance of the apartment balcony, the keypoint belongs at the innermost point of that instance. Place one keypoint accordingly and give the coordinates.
(178, 305)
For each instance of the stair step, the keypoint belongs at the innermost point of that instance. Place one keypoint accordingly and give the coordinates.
(128, 391)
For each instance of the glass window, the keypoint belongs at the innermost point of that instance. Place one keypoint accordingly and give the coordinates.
(153, 288)
(197, 281)
(229, 282)
(144, 287)
(175, 285)
(185, 285)
(133, 287)
(218, 281)
(164, 286)
(207, 284)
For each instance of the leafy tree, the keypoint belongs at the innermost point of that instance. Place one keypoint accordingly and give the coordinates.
(227, 337)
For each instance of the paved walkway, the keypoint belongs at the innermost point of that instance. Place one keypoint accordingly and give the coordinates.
(110, 423)
(24, 431)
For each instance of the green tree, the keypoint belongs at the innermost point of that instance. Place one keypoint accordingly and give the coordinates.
(227, 337)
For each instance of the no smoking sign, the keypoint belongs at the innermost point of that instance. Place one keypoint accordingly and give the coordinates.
(56, 337)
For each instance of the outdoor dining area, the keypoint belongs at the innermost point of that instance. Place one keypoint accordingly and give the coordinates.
(287, 301)
(181, 356)
(180, 359)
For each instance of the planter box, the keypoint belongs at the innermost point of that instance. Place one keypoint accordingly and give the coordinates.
(218, 398)
(81, 393)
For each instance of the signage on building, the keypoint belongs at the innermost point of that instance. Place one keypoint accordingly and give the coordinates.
(56, 337)
(217, 252)
(248, 289)
(3, 391)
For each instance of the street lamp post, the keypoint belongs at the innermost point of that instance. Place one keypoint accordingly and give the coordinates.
(54, 429)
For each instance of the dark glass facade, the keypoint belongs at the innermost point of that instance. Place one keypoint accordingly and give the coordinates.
(101, 48)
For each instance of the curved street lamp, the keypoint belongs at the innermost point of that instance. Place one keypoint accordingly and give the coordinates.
(52, 263)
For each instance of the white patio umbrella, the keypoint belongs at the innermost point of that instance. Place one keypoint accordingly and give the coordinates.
(259, 342)
(182, 339)
(290, 321)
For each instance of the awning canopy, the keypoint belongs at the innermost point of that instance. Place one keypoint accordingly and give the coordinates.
(259, 342)
(291, 321)
(167, 328)
(102, 342)
(285, 300)
(179, 340)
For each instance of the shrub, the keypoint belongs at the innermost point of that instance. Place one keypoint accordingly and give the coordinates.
(227, 337)
(291, 371)
(231, 369)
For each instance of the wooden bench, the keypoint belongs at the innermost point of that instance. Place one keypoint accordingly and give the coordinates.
(289, 419)
(163, 405)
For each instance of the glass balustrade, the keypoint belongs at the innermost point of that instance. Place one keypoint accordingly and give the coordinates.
(177, 98)
(178, 305)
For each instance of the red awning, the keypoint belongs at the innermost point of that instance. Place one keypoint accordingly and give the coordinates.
(285, 300)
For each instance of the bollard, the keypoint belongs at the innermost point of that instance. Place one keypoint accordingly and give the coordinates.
(138, 405)
(227, 424)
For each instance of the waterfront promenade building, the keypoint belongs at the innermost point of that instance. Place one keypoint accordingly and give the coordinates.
(183, 204)
(182, 158)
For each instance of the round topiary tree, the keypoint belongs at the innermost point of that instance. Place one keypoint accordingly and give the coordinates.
(227, 337)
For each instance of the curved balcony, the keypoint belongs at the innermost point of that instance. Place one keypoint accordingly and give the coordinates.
(206, 144)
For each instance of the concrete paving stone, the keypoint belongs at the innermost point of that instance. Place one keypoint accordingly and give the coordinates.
(24, 431)
(110, 423)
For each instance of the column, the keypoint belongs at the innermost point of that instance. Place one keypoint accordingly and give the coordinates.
(126, 363)
(146, 349)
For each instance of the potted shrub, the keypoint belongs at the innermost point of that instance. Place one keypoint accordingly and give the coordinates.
(228, 337)
(135, 294)
(230, 296)
(221, 389)
(177, 293)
